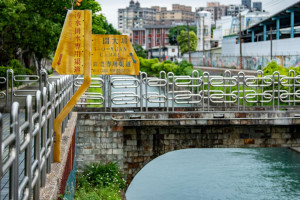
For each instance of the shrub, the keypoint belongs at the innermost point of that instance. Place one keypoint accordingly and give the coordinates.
(272, 67)
(154, 67)
(99, 181)
(16, 66)
(98, 174)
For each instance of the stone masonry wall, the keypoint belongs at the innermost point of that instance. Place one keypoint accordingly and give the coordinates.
(133, 144)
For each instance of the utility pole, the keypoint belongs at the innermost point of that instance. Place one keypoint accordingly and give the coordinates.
(177, 43)
(240, 39)
(203, 40)
(147, 37)
(164, 53)
(271, 38)
(160, 46)
(189, 45)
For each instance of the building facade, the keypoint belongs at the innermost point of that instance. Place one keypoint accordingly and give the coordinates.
(216, 10)
(247, 3)
(203, 30)
(234, 10)
(257, 6)
(179, 13)
(151, 36)
(135, 16)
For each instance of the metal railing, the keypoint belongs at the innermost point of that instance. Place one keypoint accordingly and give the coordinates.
(26, 150)
(204, 92)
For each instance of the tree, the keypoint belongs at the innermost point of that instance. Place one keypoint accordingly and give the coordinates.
(140, 52)
(173, 33)
(183, 41)
(30, 29)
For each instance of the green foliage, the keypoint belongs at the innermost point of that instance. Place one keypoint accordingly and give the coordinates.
(183, 41)
(97, 193)
(98, 174)
(17, 69)
(273, 67)
(30, 29)
(154, 67)
(99, 181)
(140, 52)
(175, 31)
(145, 65)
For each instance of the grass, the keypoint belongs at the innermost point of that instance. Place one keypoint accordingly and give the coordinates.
(100, 181)
(95, 89)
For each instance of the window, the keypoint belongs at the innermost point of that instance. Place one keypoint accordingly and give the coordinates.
(157, 40)
(136, 41)
(157, 31)
(136, 33)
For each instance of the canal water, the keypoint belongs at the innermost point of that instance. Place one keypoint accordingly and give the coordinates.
(220, 174)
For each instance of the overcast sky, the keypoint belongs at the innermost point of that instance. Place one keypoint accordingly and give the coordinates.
(110, 7)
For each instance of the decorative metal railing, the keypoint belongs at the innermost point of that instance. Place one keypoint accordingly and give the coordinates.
(26, 148)
(204, 92)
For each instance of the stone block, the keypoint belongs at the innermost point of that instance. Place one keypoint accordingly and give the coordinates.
(201, 122)
(86, 151)
(191, 122)
(101, 146)
(96, 151)
(259, 141)
(106, 140)
(196, 130)
(240, 115)
(280, 141)
(276, 135)
(120, 145)
(169, 137)
(166, 142)
(89, 122)
(117, 151)
(235, 121)
(131, 142)
(117, 128)
(249, 141)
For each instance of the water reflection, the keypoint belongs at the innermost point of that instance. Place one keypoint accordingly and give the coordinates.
(193, 174)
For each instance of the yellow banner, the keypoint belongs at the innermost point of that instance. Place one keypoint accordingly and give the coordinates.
(113, 54)
(69, 55)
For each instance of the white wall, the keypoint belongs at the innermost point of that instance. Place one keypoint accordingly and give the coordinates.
(288, 46)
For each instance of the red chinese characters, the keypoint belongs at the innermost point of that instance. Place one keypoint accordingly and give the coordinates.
(77, 45)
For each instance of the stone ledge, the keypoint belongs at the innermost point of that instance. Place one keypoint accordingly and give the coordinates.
(53, 179)
(297, 149)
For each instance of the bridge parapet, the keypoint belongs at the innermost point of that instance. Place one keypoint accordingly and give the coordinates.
(197, 91)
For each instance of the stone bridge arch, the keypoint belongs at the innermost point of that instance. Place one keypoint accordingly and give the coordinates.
(133, 143)
(143, 144)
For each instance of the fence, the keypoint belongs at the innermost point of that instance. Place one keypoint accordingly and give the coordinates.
(203, 93)
(254, 62)
(26, 150)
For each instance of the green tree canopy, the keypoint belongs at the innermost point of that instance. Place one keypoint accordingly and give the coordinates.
(175, 31)
(140, 52)
(30, 29)
(183, 41)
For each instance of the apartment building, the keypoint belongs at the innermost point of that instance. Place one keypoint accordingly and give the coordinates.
(134, 16)
(216, 10)
(151, 36)
(234, 10)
